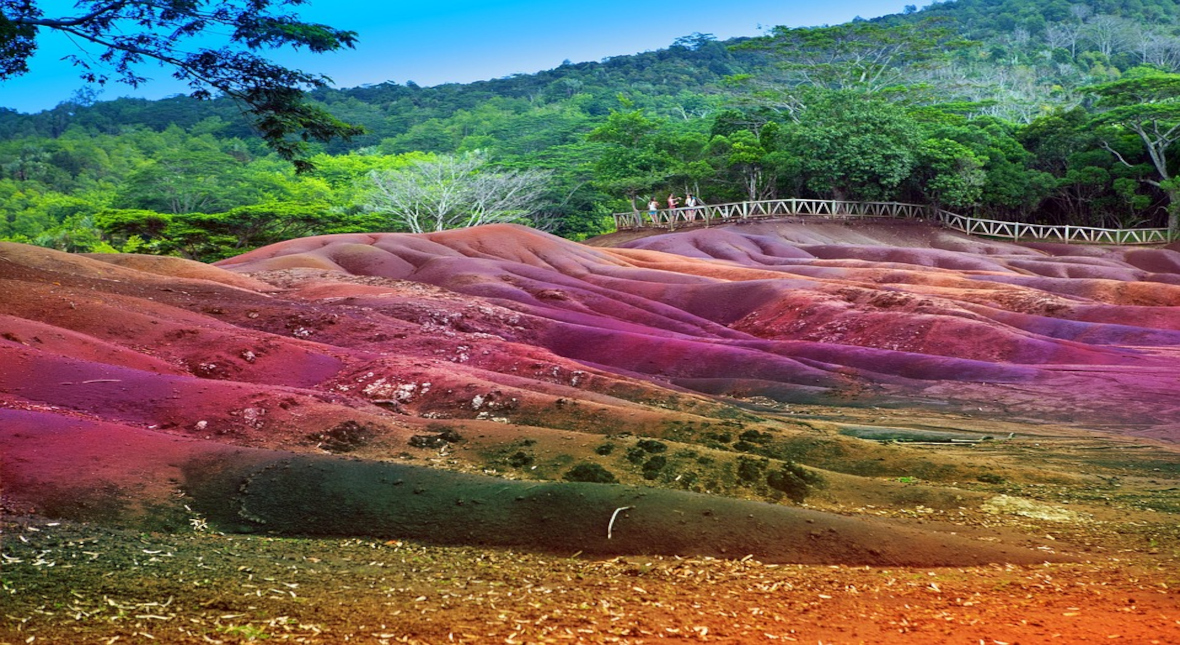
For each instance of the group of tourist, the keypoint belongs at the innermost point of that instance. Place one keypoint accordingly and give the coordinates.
(690, 201)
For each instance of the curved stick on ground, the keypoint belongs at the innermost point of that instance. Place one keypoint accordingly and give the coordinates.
(610, 526)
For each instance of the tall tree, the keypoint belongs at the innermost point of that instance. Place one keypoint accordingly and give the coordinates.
(1108, 33)
(127, 33)
(851, 146)
(1145, 104)
(630, 163)
(949, 173)
(453, 192)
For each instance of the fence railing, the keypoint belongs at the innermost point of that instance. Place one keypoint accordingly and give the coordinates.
(708, 214)
(1065, 233)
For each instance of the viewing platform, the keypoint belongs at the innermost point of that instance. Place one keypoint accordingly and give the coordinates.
(706, 215)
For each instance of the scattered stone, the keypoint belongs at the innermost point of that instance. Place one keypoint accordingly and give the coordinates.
(1005, 505)
(344, 437)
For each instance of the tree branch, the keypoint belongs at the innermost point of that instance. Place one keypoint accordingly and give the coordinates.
(70, 22)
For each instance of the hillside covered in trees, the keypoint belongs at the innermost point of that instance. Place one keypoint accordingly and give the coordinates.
(1055, 112)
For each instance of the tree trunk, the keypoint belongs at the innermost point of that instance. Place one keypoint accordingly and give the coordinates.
(1171, 188)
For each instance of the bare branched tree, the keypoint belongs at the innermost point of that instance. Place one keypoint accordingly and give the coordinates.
(1109, 34)
(1164, 52)
(1065, 36)
(447, 192)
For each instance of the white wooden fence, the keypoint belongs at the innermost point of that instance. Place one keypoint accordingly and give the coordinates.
(709, 214)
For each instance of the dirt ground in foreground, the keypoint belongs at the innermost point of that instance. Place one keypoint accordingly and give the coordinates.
(74, 583)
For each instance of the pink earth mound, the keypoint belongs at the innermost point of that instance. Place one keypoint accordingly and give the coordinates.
(804, 312)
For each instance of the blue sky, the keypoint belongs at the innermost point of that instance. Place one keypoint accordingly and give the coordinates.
(441, 41)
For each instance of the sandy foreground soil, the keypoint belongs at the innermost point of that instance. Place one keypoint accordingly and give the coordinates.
(868, 433)
(68, 584)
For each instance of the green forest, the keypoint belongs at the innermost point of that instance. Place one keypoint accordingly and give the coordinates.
(1039, 111)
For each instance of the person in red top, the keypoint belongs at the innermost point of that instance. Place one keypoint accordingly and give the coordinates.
(673, 201)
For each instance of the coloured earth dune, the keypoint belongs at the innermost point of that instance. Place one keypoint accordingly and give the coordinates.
(796, 393)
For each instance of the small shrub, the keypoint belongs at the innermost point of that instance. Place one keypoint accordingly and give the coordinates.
(636, 455)
(605, 449)
(446, 431)
(651, 445)
(652, 468)
(794, 481)
(588, 472)
(751, 470)
(520, 459)
(427, 441)
(444, 436)
(753, 436)
(990, 478)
